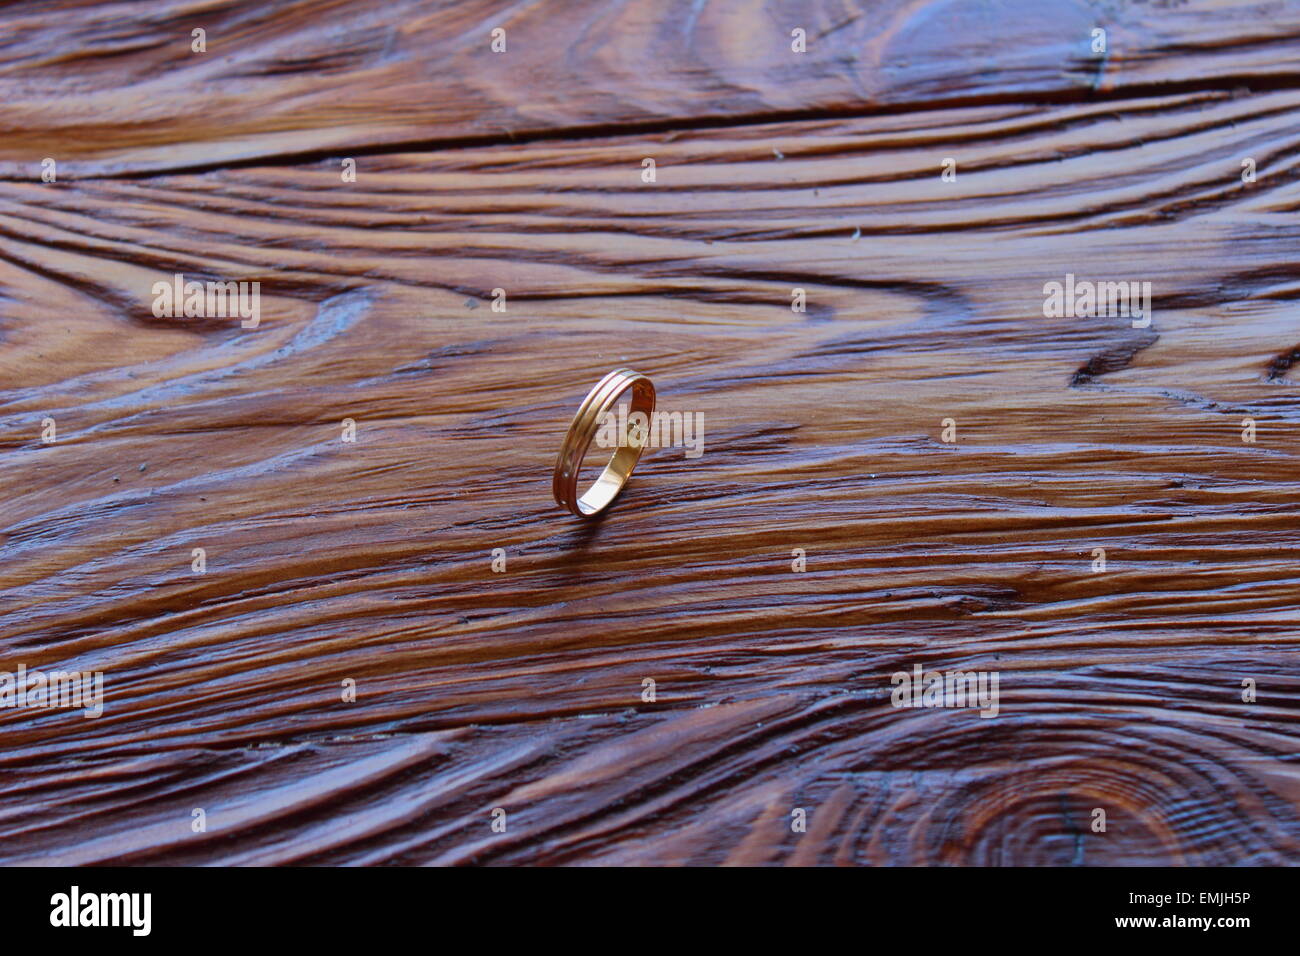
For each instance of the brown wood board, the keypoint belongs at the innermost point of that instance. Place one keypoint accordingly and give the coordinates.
(1121, 689)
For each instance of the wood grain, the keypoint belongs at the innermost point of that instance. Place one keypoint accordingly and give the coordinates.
(116, 89)
(522, 690)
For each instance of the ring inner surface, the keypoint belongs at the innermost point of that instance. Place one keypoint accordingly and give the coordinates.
(625, 457)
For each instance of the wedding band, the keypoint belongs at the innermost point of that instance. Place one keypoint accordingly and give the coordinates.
(582, 430)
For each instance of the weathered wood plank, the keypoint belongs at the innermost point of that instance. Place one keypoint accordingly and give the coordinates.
(116, 89)
(522, 690)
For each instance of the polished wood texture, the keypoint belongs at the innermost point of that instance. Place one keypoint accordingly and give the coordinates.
(522, 690)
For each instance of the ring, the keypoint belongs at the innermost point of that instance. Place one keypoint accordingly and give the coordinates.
(598, 403)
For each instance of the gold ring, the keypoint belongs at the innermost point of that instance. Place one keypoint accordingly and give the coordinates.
(598, 403)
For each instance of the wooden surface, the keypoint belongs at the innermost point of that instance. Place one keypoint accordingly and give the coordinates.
(522, 690)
